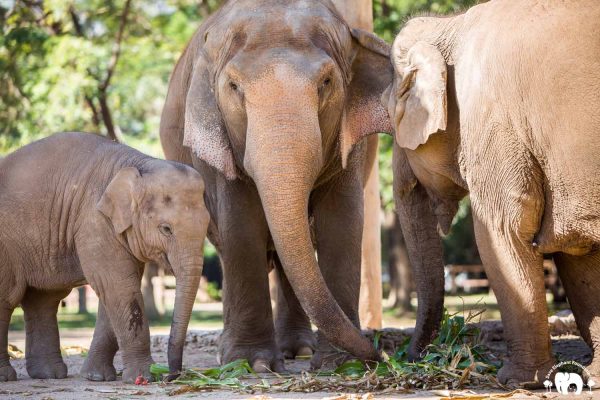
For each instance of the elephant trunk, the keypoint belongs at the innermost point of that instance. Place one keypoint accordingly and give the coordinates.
(419, 226)
(284, 156)
(188, 270)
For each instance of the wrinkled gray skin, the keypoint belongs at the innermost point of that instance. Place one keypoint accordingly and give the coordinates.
(503, 102)
(267, 102)
(78, 208)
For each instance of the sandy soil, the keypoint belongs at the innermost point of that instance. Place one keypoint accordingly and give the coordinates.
(201, 352)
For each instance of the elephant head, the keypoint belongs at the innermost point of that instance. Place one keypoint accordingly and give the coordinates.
(279, 93)
(420, 104)
(564, 380)
(160, 215)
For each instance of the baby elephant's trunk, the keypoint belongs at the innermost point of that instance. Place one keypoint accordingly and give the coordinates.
(188, 270)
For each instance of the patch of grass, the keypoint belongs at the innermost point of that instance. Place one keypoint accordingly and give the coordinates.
(485, 302)
(454, 304)
(66, 319)
(198, 317)
(69, 319)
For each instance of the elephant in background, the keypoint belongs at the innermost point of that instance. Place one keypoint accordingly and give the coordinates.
(79, 208)
(270, 102)
(488, 104)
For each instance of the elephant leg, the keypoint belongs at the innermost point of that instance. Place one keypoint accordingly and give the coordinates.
(7, 372)
(338, 222)
(116, 277)
(516, 275)
(580, 276)
(98, 365)
(42, 345)
(248, 330)
(126, 312)
(292, 326)
(117, 282)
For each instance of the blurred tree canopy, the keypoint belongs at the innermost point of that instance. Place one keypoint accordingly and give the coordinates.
(390, 15)
(103, 66)
(92, 65)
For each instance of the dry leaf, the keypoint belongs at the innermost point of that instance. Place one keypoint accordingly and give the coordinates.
(14, 352)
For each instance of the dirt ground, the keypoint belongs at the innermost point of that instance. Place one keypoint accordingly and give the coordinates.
(201, 352)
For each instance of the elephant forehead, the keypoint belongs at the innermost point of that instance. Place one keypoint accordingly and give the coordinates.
(272, 23)
(282, 12)
(282, 82)
(181, 208)
(172, 189)
(284, 66)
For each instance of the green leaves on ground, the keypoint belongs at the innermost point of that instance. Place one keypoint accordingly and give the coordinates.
(454, 359)
(226, 376)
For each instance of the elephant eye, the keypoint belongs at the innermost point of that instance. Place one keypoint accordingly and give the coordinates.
(324, 88)
(233, 86)
(165, 229)
(325, 84)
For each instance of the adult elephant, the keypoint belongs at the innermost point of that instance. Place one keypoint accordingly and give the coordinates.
(503, 102)
(269, 102)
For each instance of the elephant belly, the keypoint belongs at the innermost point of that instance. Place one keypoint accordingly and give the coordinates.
(59, 274)
(570, 226)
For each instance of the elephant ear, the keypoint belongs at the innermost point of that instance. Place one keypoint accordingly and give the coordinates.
(420, 96)
(204, 129)
(372, 72)
(117, 202)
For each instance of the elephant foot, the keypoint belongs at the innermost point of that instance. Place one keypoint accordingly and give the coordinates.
(45, 368)
(96, 369)
(132, 372)
(262, 358)
(594, 375)
(515, 376)
(7, 373)
(297, 344)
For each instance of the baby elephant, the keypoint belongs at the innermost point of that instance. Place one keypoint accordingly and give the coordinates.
(77, 208)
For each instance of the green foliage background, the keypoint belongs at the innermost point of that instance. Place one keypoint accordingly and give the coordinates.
(50, 72)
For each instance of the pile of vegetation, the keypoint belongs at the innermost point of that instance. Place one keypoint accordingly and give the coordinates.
(454, 360)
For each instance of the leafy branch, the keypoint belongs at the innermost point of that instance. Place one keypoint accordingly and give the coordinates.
(104, 83)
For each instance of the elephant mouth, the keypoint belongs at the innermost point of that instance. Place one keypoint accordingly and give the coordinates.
(164, 263)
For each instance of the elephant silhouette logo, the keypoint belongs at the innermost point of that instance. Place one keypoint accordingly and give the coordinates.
(564, 381)
(568, 382)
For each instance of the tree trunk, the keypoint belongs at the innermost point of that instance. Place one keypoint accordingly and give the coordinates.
(82, 291)
(401, 279)
(370, 306)
(359, 14)
(107, 117)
